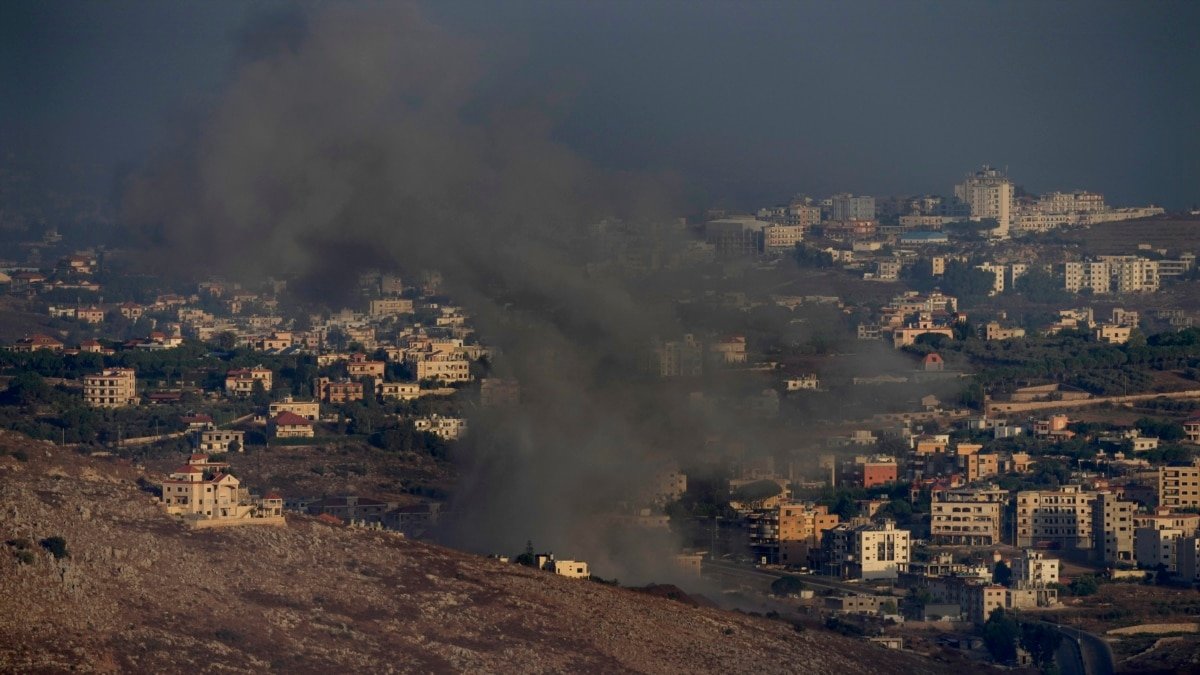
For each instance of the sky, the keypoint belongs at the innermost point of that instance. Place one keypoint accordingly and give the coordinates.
(747, 103)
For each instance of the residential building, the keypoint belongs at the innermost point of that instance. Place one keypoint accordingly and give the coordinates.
(241, 382)
(222, 440)
(390, 307)
(1187, 558)
(1113, 334)
(309, 410)
(439, 363)
(1191, 428)
(998, 274)
(35, 343)
(359, 366)
(866, 551)
(848, 207)
(290, 425)
(338, 391)
(789, 533)
(111, 388)
(446, 428)
(1093, 276)
(206, 496)
(803, 382)
(731, 350)
(1032, 569)
(994, 331)
(781, 238)
(398, 391)
(1061, 518)
(1154, 546)
(989, 194)
(1179, 486)
(1112, 523)
(969, 516)
(736, 235)
(352, 509)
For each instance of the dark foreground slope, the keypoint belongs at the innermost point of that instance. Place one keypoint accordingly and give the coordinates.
(140, 592)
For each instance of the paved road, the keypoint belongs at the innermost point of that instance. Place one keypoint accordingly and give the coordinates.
(746, 573)
(1083, 653)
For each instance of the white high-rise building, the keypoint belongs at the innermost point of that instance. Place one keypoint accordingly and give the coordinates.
(989, 193)
(848, 207)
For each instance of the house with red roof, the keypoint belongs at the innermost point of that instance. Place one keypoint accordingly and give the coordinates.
(205, 495)
(34, 343)
(240, 382)
(290, 425)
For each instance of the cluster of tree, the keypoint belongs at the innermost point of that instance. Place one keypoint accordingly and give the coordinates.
(807, 255)
(1003, 632)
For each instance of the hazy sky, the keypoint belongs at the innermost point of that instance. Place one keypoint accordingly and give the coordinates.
(747, 102)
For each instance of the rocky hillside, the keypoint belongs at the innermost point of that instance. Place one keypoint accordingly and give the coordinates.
(136, 591)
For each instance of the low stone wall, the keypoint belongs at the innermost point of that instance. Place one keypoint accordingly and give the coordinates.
(208, 523)
(1156, 629)
(996, 407)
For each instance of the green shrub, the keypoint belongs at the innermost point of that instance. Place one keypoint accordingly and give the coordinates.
(57, 546)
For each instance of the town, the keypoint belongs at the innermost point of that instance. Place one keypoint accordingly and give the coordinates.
(955, 419)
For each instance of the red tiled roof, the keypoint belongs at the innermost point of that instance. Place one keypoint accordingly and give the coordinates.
(290, 419)
(188, 468)
(273, 495)
(198, 455)
(332, 520)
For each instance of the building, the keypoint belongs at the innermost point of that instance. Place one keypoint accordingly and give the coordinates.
(359, 366)
(438, 363)
(989, 194)
(808, 382)
(1032, 569)
(877, 470)
(309, 410)
(35, 343)
(352, 509)
(398, 391)
(1191, 428)
(1156, 546)
(1093, 276)
(390, 307)
(736, 235)
(1112, 523)
(781, 238)
(290, 425)
(338, 391)
(1113, 334)
(573, 569)
(969, 516)
(445, 428)
(994, 331)
(222, 440)
(730, 350)
(111, 388)
(846, 206)
(241, 382)
(789, 533)
(1179, 486)
(1059, 518)
(203, 494)
(933, 362)
(866, 551)
(1187, 558)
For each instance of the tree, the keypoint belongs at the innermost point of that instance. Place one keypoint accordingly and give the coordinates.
(786, 585)
(1041, 641)
(887, 607)
(1000, 634)
(1002, 574)
(57, 547)
(527, 558)
(1084, 585)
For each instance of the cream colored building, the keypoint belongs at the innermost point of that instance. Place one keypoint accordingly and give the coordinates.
(390, 307)
(866, 551)
(446, 428)
(240, 382)
(989, 194)
(1033, 569)
(111, 388)
(1179, 486)
(1062, 517)
(309, 410)
(222, 440)
(399, 391)
(439, 364)
(1112, 523)
(200, 492)
(967, 516)
(1113, 334)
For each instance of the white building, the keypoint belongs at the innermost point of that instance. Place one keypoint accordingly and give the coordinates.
(848, 207)
(866, 551)
(1032, 569)
(989, 193)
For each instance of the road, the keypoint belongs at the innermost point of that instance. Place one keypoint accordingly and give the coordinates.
(745, 573)
(1083, 653)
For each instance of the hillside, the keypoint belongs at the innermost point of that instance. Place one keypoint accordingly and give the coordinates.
(139, 592)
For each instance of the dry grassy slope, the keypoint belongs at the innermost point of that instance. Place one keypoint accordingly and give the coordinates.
(141, 593)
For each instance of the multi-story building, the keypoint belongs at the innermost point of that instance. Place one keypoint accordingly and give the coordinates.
(1112, 525)
(872, 551)
(446, 428)
(202, 493)
(111, 388)
(290, 425)
(989, 193)
(967, 516)
(848, 207)
(240, 382)
(736, 235)
(995, 331)
(359, 366)
(222, 440)
(781, 238)
(789, 533)
(439, 363)
(1032, 569)
(1187, 558)
(1132, 274)
(338, 391)
(390, 307)
(309, 410)
(399, 391)
(1078, 201)
(998, 272)
(1179, 486)
(1061, 517)
(1091, 275)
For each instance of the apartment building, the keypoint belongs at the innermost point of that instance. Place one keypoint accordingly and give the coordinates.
(1061, 517)
(360, 366)
(989, 194)
(398, 391)
(389, 307)
(1179, 486)
(1112, 528)
(872, 551)
(111, 388)
(846, 206)
(967, 516)
(789, 533)
(1032, 569)
(446, 428)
